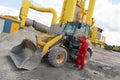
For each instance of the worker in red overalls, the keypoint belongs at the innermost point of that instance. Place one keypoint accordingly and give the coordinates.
(82, 52)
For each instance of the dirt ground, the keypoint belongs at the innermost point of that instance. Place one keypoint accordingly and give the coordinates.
(104, 65)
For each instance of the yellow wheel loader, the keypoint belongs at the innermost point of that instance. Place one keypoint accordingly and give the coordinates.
(58, 43)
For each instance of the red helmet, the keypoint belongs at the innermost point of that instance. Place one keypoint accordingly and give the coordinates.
(84, 37)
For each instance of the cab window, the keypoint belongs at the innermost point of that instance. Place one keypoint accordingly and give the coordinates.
(69, 29)
(84, 30)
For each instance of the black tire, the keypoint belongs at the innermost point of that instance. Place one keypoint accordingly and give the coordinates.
(90, 51)
(57, 57)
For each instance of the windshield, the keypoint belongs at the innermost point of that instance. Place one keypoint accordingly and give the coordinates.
(84, 30)
(69, 29)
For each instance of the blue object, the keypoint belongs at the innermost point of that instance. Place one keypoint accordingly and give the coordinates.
(7, 26)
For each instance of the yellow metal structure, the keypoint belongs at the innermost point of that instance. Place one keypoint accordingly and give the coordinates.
(14, 27)
(28, 5)
(68, 11)
(90, 12)
(93, 35)
(96, 38)
(14, 18)
(45, 45)
(83, 14)
(81, 3)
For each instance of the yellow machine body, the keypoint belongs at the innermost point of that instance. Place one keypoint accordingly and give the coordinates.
(46, 45)
(31, 54)
(68, 11)
(96, 38)
(90, 12)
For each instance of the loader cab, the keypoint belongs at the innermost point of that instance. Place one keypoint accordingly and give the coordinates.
(76, 29)
(73, 30)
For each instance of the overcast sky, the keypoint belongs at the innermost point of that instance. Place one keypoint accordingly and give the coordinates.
(106, 14)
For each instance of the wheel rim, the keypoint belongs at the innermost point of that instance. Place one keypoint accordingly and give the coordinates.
(86, 58)
(60, 58)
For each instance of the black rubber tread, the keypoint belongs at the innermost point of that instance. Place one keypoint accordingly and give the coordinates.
(53, 55)
(90, 52)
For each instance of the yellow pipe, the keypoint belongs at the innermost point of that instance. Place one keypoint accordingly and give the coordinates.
(90, 12)
(25, 8)
(24, 12)
(51, 10)
(68, 11)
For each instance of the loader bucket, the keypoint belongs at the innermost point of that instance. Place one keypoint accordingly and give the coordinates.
(26, 55)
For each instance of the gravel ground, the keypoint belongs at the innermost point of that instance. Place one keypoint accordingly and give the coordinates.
(97, 69)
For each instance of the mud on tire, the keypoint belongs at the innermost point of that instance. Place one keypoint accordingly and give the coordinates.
(57, 57)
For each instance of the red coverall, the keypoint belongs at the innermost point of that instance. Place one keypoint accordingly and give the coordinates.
(82, 52)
